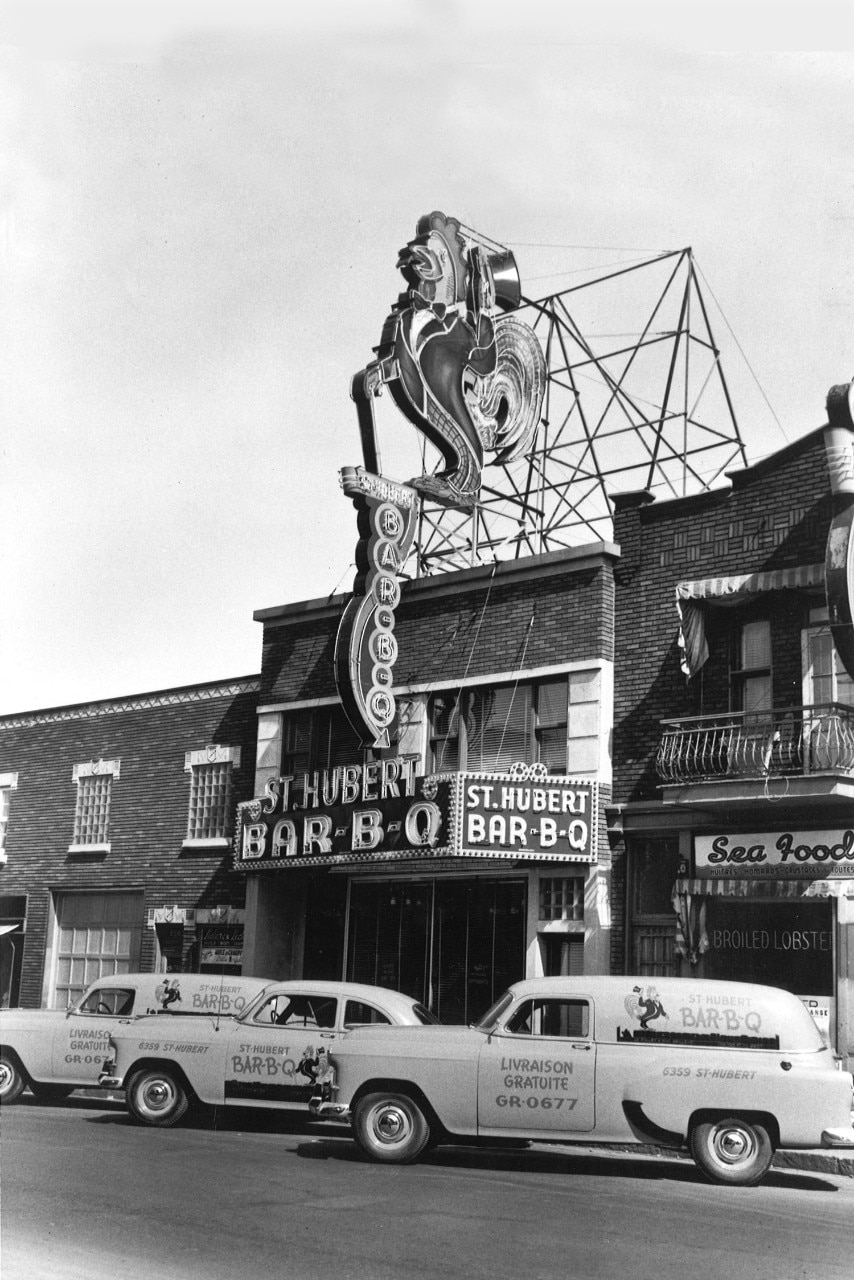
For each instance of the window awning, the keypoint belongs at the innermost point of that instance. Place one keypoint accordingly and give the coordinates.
(731, 887)
(690, 895)
(692, 596)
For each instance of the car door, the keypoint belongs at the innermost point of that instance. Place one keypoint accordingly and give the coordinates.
(538, 1072)
(81, 1039)
(271, 1056)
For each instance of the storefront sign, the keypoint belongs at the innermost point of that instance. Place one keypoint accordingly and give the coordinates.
(527, 814)
(352, 813)
(780, 944)
(365, 648)
(384, 811)
(221, 944)
(822, 1009)
(778, 853)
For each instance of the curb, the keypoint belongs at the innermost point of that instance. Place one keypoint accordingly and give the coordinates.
(838, 1161)
(823, 1161)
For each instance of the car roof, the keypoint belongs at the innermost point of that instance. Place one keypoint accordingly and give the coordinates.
(383, 996)
(192, 979)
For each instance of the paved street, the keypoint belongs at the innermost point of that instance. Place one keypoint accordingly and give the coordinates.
(86, 1193)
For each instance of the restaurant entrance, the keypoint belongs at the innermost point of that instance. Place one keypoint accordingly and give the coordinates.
(454, 944)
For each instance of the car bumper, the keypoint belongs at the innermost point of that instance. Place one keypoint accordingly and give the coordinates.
(838, 1137)
(323, 1110)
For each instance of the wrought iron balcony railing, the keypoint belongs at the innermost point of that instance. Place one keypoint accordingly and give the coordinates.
(790, 741)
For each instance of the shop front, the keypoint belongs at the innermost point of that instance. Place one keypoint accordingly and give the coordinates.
(447, 887)
(774, 907)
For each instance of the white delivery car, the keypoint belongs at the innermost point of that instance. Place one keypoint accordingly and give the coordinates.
(54, 1051)
(731, 1071)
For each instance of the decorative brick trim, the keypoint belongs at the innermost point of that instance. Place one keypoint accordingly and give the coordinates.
(214, 754)
(144, 702)
(94, 768)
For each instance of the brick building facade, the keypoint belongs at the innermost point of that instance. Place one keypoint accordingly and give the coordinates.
(117, 837)
(734, 739)
(504, 665)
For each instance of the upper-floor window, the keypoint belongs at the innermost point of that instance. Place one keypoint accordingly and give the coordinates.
(750, 672)
(94, 779)
(211, 770)
(487, 729)
(8, 783)
(316, 738)
(825, 678)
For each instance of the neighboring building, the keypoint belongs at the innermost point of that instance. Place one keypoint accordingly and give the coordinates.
(733, 819)
(499, 666)
(116, 838)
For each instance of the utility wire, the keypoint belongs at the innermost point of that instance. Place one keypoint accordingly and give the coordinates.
(743, 355)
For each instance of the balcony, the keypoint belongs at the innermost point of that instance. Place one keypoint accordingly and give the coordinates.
(793, 752)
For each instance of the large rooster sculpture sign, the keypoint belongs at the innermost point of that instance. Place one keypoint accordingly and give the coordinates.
(468, 376)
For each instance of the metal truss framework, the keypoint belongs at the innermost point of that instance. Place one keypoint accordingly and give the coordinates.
(648, 408)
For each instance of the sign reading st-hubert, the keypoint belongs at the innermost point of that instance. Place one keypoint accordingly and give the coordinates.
(351, 813)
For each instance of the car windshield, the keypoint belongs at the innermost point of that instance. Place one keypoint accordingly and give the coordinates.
(494, 1012)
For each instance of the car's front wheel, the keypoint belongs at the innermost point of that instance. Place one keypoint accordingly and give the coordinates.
(12, 1082)
(390, 1128)
(732, 1151)
(156, 1097)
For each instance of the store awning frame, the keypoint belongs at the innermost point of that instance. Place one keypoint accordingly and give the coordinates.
(778, 887)
(693, 596)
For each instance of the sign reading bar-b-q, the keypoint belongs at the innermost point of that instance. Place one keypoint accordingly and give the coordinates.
(383, 810)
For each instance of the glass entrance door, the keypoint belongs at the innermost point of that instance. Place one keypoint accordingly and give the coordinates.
(453, 944)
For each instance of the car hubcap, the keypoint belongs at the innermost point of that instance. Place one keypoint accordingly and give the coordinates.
(157, 1095)
(391, 1125)
(5, 1077)
(734, 1146)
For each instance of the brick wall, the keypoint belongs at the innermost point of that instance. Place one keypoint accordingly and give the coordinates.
(463, 625)
(148, 806)
(776, 515)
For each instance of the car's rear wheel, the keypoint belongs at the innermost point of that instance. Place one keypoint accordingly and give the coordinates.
(50, 1092)
(156, 1097)
(732, 1151)
(12, 1081)
(390, 1128)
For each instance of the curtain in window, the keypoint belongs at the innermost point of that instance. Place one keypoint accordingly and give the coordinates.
(500, 732)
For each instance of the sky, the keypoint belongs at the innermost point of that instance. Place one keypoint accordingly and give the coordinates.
(202, 207)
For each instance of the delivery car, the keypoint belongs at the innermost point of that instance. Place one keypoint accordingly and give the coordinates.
(731, 1071)
(265, 1058)
(55, 1051)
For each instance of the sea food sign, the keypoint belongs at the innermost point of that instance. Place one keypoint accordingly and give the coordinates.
(353, 813)
(756, 856)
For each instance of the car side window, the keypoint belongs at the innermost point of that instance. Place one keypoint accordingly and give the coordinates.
(113, 1002)
(309, 1012)
(357, 1014)
(555, 1018)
